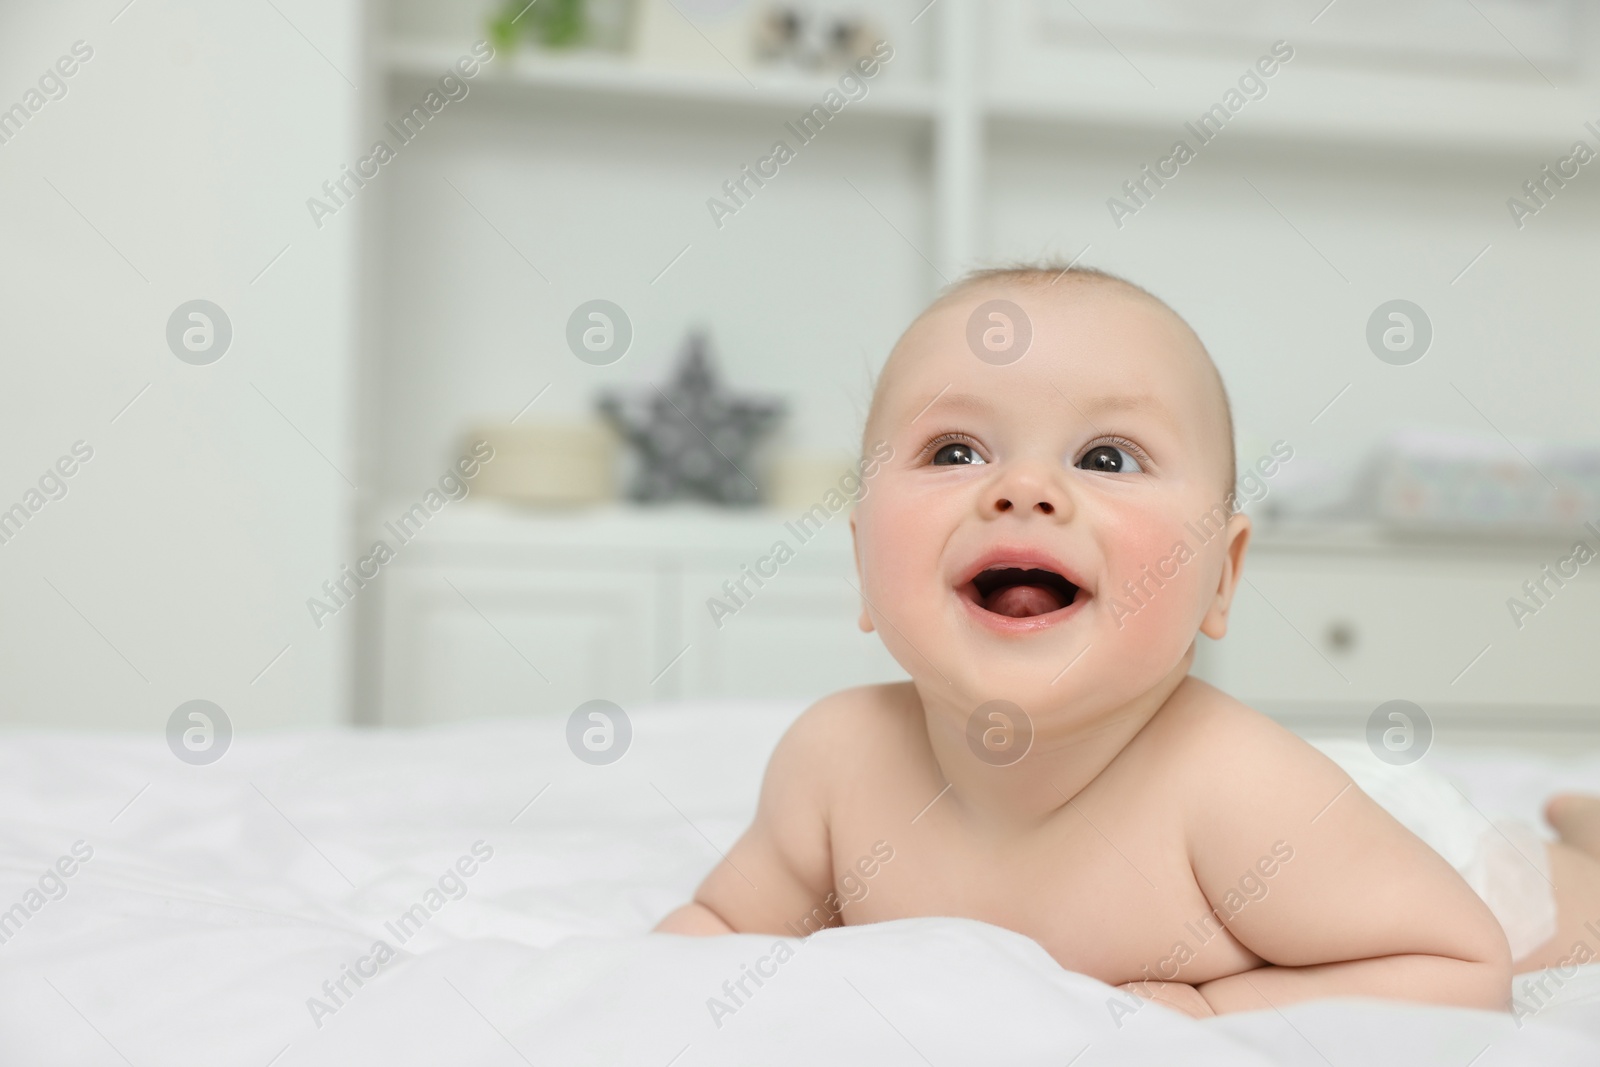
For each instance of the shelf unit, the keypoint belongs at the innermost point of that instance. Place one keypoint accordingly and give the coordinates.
(1371, 109)
(963, 113)
(1396, 112)
(617, 76)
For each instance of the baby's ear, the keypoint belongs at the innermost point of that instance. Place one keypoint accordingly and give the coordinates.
(1215, 623)
(865, 620)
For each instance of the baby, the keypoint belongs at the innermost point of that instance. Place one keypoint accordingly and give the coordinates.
(1051, 767)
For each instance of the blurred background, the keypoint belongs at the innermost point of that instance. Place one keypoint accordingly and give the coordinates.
(284, 281)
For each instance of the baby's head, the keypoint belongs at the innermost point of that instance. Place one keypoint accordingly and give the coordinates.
(1060, 486)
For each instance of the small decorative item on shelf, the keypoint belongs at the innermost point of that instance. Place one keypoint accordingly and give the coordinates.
(690, 439)
(564, 24)
(549, 464)
(1426, 480)
(707, 36)
(801, 480)
(814, 36)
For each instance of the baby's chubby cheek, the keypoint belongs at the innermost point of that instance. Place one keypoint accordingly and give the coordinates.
(898, 545)
(1156, 577)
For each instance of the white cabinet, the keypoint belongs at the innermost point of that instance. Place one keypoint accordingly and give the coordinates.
(795, 637)
(497, 611)
(465, 642)
(1329, 624)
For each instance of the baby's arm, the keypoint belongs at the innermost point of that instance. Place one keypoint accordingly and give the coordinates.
(1363, 907)
(781, 868)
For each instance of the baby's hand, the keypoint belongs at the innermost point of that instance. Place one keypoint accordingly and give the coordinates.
(1176, 995)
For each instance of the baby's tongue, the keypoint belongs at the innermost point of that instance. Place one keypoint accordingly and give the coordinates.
(1022, 601)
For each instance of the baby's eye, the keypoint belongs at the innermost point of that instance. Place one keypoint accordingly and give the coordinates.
(1109, 459)
(956, 453)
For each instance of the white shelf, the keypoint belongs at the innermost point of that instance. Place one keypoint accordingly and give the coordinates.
(621, 78)
(1373, 538)
(468, 528)
(1333, 107)
(1340, 107)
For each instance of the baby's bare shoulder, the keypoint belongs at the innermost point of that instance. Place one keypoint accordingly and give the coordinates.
(1231, 758)
(786, 850)
(1347, 881)
(844, 738)
(850, 726)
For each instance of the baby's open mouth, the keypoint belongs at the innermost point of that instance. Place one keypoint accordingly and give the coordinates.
(1020, 592)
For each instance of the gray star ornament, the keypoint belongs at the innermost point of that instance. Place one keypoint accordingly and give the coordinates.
(692, 439)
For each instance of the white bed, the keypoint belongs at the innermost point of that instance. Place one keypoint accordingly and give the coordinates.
(219, 899)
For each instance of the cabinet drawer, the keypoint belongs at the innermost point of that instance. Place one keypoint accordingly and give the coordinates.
(794, 637)
(1368, 629)
(514, 642)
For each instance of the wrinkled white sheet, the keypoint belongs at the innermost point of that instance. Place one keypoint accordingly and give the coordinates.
(220, 900)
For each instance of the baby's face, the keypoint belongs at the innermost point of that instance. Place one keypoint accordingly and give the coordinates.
(994, 546)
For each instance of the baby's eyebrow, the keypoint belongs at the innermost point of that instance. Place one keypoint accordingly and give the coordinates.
(1124, 402)
(1088, 406)
(956, 401)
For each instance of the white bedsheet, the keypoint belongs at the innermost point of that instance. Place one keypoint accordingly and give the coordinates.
(219, 901)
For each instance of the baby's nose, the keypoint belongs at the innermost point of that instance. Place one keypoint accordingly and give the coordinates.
(1028, 488)
(1043, 506)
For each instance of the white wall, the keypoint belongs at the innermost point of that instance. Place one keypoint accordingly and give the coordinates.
(183, 554)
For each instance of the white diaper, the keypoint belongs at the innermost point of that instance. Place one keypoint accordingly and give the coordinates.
(1504, 861)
